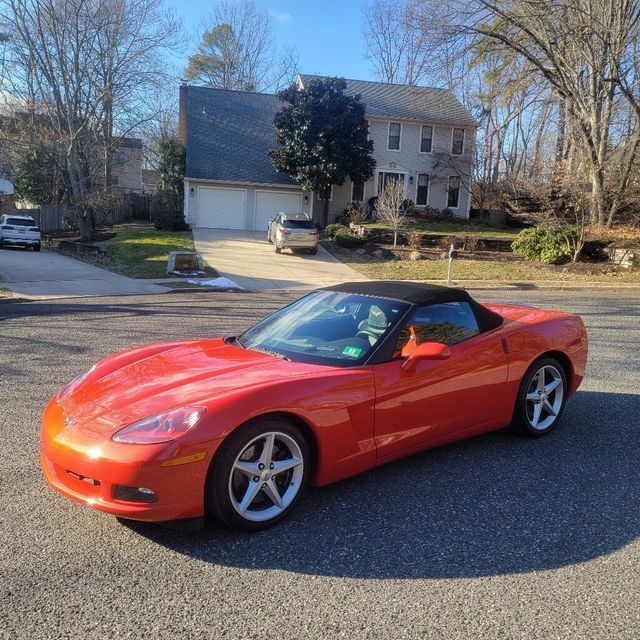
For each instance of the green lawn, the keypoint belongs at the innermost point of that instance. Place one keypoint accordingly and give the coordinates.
(440, 228)
(140, 251)
(490, 271)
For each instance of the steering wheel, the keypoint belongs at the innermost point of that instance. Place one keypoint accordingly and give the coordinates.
(367, 336)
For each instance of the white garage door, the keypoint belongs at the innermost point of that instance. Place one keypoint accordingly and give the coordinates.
(268, 203)
(221, 208)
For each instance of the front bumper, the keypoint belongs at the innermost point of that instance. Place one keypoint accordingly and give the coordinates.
(89, 474)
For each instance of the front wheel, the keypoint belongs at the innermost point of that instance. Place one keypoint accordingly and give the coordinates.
(258, 476)
(541, 398)
(36, 247)
(276, 248)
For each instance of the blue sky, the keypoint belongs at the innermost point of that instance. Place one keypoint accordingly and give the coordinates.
(326, 33)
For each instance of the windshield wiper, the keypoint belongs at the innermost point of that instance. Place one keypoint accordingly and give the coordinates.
(234, 340)
(270, 352)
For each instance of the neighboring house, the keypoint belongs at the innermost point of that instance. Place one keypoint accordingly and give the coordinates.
(150, 179)
(422, 136)
(126, 168)
(6, 180)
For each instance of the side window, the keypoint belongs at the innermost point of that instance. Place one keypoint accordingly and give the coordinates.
(449, 323)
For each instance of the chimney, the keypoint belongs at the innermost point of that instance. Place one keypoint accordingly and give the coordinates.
(182, 112)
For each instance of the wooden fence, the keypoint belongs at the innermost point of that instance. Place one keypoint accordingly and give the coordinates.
(61, 217)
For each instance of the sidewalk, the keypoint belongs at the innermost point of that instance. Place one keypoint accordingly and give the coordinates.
(47, 274)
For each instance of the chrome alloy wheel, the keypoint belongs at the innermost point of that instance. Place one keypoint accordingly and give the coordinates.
(544, 397)
(266, 476)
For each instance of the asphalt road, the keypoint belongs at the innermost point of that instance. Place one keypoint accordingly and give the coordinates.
(494, 537)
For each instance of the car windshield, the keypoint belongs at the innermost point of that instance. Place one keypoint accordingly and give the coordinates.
(299, 224)
(326, 327)
(21, 222)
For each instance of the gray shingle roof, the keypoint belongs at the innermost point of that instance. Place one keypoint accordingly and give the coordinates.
(424, 104)
(228, 135)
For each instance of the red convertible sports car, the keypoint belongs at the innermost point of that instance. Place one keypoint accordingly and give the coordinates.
(344, 379)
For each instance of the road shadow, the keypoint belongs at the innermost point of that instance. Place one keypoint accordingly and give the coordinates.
(492, 505)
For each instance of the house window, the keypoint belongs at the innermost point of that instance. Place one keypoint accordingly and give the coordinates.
(384, 177)
(426, 137)
(422, 194)
(457, 143)
(394, 136)
(119, 158)
(357, 191)
(454, 192)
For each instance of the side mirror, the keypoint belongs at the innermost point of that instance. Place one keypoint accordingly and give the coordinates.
(426, 351)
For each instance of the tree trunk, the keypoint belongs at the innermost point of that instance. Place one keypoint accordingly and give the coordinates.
(325, 210)
(597, 197)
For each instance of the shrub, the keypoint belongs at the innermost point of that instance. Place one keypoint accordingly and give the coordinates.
(344, 237)
(355, 212)
(169, 220)
(447, 213)
(548, 243)
(350, 240)
(331, 230)
(414, 240)
(446, 241)
(473, 244)
(407, 205)
(373, 203)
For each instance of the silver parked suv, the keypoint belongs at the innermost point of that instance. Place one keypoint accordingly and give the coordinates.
(292, 231)
(19, 231)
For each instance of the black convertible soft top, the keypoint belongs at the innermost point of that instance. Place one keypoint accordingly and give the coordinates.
(420, 294)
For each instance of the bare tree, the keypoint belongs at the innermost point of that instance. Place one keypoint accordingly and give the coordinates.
(584, 49)
(83, 69)
(236, 51)
(389, 207)
(131, 41)
(397, 42)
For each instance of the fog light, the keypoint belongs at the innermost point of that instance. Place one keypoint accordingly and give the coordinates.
(134, 494)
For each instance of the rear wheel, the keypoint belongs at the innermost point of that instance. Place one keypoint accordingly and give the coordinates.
(313, 251)
(36, 247)
(541, 398)
(258, 476)
(276, 248)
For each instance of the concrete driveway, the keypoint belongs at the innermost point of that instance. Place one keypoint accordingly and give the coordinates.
(248, 259)
(50, 275)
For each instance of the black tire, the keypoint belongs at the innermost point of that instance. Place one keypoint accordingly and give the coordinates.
(223, 481)
(313, 251)
(36, 247)
(276, 248)
(268, 236)
(524, 416)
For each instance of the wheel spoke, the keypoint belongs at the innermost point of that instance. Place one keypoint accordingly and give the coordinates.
(249, 469)
(274, 495)
(537, 410)
(267, 449)
(553, 385)
(547, 405)
(250, 495)
(540, 386)
(533, 396)
(279, 466)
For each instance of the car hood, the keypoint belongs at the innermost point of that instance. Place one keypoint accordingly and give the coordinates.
(189, 373)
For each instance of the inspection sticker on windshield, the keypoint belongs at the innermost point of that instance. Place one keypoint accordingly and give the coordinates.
(353, 352)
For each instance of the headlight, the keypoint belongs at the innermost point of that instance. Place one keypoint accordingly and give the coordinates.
(162, 427)
(70, 387)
